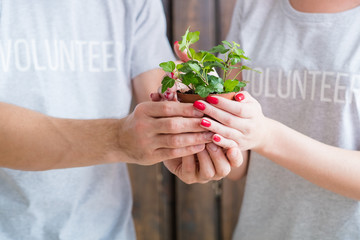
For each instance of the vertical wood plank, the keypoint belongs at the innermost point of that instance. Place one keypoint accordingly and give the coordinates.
(197, 212)
(153, 206)
(197, 14)
(232, 195)
(166, 208)
(153, 189)
(146, 205)
(232, 192)
(225, 12)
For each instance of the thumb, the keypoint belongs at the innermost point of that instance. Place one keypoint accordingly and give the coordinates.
(181, 54)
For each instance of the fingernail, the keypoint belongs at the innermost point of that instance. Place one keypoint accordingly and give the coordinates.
(199, 105)
(151, 95)
(212, 100)
(216, 138)
(172, 75)
(205, 123)
(176, 42)
(239, 97)
(212, 147)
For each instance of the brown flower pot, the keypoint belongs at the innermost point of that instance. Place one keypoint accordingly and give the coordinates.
(191, 98)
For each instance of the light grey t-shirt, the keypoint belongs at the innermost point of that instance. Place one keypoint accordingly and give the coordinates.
(74, 59)
(310, 81)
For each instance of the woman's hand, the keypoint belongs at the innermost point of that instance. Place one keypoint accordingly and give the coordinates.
(240, 123)
(170, 93)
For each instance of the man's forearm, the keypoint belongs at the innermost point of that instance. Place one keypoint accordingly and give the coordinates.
(152, 133)
(33, 141)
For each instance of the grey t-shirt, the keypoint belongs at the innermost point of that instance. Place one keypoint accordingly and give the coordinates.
(74, 59)
(310, 81)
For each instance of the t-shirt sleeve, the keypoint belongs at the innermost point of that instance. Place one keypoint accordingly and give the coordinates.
(150, 43)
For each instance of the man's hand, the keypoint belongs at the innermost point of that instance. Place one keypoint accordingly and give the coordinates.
(209, 164)
(158, 131)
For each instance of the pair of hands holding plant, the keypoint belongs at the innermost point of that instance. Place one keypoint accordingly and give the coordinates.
(236, 126)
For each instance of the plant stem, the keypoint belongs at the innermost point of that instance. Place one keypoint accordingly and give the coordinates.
(237, 74)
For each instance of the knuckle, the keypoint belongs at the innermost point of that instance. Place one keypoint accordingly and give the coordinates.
(166, 108)
(172, 153)
(174, 141)
(187, 110)
(237, 162)
(211, 112)
(228, 121)
(248, 129)
(223, 171)
(173, 125)
(188, 181)
(208, 174)
(196, 138)
(239, 111)
(139, 110)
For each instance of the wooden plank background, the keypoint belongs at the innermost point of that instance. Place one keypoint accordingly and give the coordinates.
(164, 207)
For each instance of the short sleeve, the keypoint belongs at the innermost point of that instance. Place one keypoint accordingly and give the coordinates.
(150, 43)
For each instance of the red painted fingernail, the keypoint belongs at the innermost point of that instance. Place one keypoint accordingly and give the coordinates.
(176, 42)
(239, 97)
(217, 138)
(205, 123)
(199, 105)
(212, 100)
(167, 95)
(172, 75)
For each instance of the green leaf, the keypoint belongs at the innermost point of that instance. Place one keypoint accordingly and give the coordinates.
(167, 82)
(245, 57)
(203, 91)
(168, 66)
(196, 55)
(229, 85)
(236, 44)
(227, 43)
(239, 51)
(214, 64)
(208, 57)
(218, 88)
(243, 67)
(214, 80)
(195, 66)
(183, 42)
(219, 49)
(184, 67)
(190, 78)
(189, 38)
(239, 86)
(234, 58)
(193, 37)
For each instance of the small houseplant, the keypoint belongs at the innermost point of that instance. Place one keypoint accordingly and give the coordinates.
(199, 74)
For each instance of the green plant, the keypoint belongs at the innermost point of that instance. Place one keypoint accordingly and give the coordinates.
(197, 75)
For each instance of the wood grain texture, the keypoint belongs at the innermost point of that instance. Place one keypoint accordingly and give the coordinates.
(164, 207)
